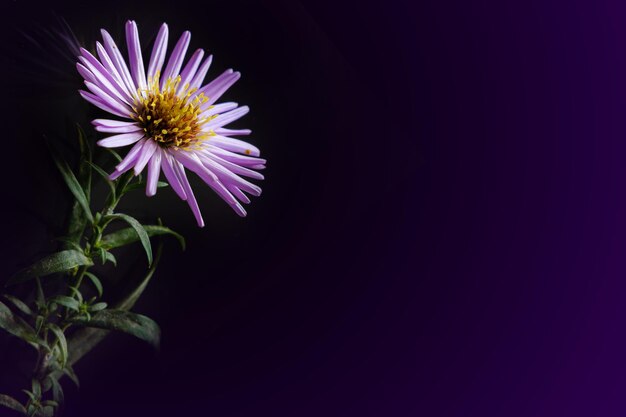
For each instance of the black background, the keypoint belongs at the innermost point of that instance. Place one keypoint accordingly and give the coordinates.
(439, 232)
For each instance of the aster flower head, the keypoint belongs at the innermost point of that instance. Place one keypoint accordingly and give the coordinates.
(171, 118)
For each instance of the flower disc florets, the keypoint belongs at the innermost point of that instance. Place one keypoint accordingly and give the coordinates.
(172, 115)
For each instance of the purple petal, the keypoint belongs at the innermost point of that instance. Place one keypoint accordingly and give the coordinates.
(191, 162)
(234, 145)
(232, 132)
(215, 84)
(145, 154)
(176, 59)
(191, 199)
(154, 168)
(199, 77)
(158, 52)
(226, 118)
(190, 69)
(118, 61)
(98, 102)
(134, 55)
(114, 102)
(104, 78)
(110, 67)
(121, 129)
(238, 194)
(131, 157)
(120, 140)
(237, 169)
(85, 73)
(172, 177)
(219, 108)
(228, 177)
(246, 161)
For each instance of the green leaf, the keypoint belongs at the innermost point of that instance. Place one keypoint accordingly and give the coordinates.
(16, 326)
(97, 307)
(69, 371)
(96, 282)
(105, 176)
(57, 390)
(134, 324)
(72, 183)
(115, 154)
(57, 262)
(108, 256)
(66, 301)
(62, 342)
(12, 403)
(128, 235)
(139, 231)
(36, 388)
(82, 341)
(78, 218)
(19, 304)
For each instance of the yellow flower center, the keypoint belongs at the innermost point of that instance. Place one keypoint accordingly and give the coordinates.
(169, 116)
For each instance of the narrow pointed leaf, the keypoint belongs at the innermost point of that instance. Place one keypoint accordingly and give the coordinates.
(72, 183)
(16, 326)
(12, 403)
(84, 340)
(139, 231)
(62, 342)
(19, 304)
(57, 262)
(96, 282)
(133, 324)
(126, 236)
(105, 176)
(78, 216)
(66, 301)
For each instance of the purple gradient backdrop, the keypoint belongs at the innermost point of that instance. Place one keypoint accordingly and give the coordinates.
(440, 232)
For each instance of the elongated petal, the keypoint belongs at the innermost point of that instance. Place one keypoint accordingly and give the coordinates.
(154, 168)
(158, 52)
(215, 84)
(238, 193)
(145, 154)
(233, 167)
(191, 162)
(117, 59)
(172, 178)
(110, 100)
(215, 93)
(191, 198)
(131, 157)
(246, 161)
(232, 132)
(234, 145)
(227, 176)
(219, 108)
(202, 71)
(103, 125)
(190, 69)
(104, 78)
(176, 59)
(120, 140)
(98, 102)
(122, 129)
(226, 118)
(134, 55)
(85, 73)
(107, 63)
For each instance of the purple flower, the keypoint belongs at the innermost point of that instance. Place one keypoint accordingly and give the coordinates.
(171, 119)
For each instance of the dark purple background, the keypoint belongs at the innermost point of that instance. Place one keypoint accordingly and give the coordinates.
(440, 232)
